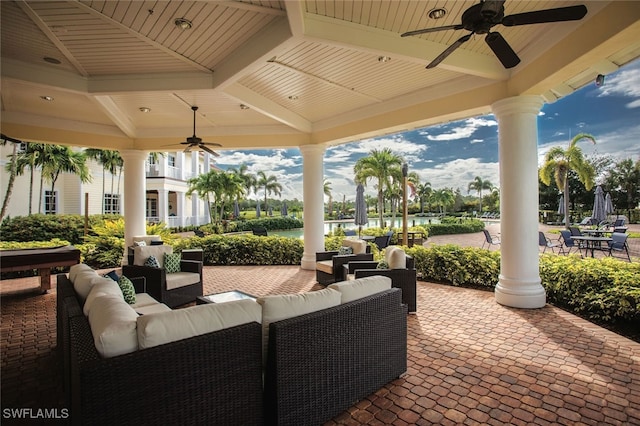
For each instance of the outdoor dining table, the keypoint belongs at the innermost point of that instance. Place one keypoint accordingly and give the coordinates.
(591, 243)
(595, 232)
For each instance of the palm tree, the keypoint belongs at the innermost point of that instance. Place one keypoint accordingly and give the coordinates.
(13, 171)
(110, 161)
(205, 185)
(232, 187)
(59, 159)
(478, 185)
(326, 187)
(269, 184)
(423, 192)
(626, 176)
(380, 165)
(443, 198)
(248, 179)
(30, 158)
(557, 164)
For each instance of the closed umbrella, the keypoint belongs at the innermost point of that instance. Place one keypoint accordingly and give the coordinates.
(283, 210)
(599, 209)
(561, 205)
(361, 209)
(608, 204)
(236, 209)
(258, 209)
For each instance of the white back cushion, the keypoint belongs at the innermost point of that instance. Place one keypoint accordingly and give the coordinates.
(84, 281)
(141, 254)
(276, 308)
(113, 325)
(396, 257)
(361, 287)
(73, 271)
(164, 327)
(358, 246)
(102, 286)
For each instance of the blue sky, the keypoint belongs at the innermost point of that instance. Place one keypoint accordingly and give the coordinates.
(453, 154)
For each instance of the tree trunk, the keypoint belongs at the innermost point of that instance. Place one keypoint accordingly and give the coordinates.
(566, 203)
(12, 178)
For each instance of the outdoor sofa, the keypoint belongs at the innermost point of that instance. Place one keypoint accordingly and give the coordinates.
(318, 352)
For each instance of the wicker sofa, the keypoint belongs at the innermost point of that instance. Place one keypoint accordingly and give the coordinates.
(317, 360)
(213, 378)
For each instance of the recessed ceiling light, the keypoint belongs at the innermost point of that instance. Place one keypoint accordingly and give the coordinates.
(243, 106)
(183, 23)
(52, 60)
(47, 98)
(293, 97)
(144, 109)
(437, 13)
(383, 59)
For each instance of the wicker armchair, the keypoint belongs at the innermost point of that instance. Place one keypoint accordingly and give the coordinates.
(329, 263)
(404, 279)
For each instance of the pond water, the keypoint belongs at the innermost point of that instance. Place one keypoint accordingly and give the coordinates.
(329, 226)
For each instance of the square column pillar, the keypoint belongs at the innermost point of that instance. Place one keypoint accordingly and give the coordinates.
(135, 191)
(313, 198)
(519, 282)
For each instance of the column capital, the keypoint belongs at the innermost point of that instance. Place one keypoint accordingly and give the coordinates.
(518, 104)
(311, 149)
(133, 154)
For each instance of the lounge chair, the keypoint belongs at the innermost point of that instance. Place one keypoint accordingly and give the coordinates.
(383, 241)
(585, 222)
(261, 232)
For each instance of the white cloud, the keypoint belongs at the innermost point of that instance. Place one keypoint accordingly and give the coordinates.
(476, 141)
(459, 173)
(465, 130)
(623, 83)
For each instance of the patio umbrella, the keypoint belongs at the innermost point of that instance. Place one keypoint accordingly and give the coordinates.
(599, 212)
(283, 209)
(270, 211)
(608, 204)
(258, 209)
(236, 209)
(361, 209)
(561, 205)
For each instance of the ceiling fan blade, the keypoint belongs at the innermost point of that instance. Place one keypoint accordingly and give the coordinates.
(207, 149)
(188, 148)
(449, 51)
(570, 13)
(503, 51)
(432, 30)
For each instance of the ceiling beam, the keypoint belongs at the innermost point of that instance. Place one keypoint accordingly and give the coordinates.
(116, 115)
(268, 107)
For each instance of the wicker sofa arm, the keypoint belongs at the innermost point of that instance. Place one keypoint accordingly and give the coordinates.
(191, 266)
(155, 278)
(325, 255)
(352, 266)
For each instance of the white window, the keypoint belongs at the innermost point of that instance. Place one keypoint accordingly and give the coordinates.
(112, 203)
(152, 207)
(152, 160)
(50, 202)
(172, 160)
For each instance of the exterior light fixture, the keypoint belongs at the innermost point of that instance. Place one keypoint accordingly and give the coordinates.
(599, 80)
(183, 23)
(437, 13)
(145, 109)
(383, 59)
(47, 98)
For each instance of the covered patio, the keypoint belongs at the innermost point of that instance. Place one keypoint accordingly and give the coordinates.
(299, 74)
(471, 361)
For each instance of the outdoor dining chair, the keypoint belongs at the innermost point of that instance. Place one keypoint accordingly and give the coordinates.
(568, 243)
(490, 240)
(543, 241)
(619, 243)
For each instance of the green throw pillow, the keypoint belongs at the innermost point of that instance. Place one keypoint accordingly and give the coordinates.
(172, 262)
(382, 265)
(152, 262)
(345, 250)
(128, 291)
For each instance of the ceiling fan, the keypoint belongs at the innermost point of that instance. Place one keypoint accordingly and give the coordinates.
(480, 18)
(196, 142)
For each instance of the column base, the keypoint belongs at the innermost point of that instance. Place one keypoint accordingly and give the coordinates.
(519, 294)
(308, 262)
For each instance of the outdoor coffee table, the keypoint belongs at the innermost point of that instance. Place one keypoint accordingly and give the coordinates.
(227, 296)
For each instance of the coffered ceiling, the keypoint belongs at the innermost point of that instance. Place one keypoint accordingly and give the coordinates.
(279, 73)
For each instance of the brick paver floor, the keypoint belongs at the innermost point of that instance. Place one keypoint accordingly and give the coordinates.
(471, 361)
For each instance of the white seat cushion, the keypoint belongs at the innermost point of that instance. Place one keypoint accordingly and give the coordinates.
(361, 287)
(325, 266)
(164, 327)
(141, 254)
(113, 325)
(181, 279)
(143, 299)
(152, 309)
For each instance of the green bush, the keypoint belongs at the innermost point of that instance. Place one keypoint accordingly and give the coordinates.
(245, 249)
(270, 224)
(455, 226)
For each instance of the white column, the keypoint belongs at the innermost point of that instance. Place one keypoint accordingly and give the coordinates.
(135, 194)
(163, 205)
(180, 207)
(313, 198)
(519, 282)
(195, 200)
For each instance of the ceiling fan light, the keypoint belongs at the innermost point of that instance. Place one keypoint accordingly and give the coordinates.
(47, 98)
(383, 59)
(145, 109)
(183, 23)
(437, 13)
